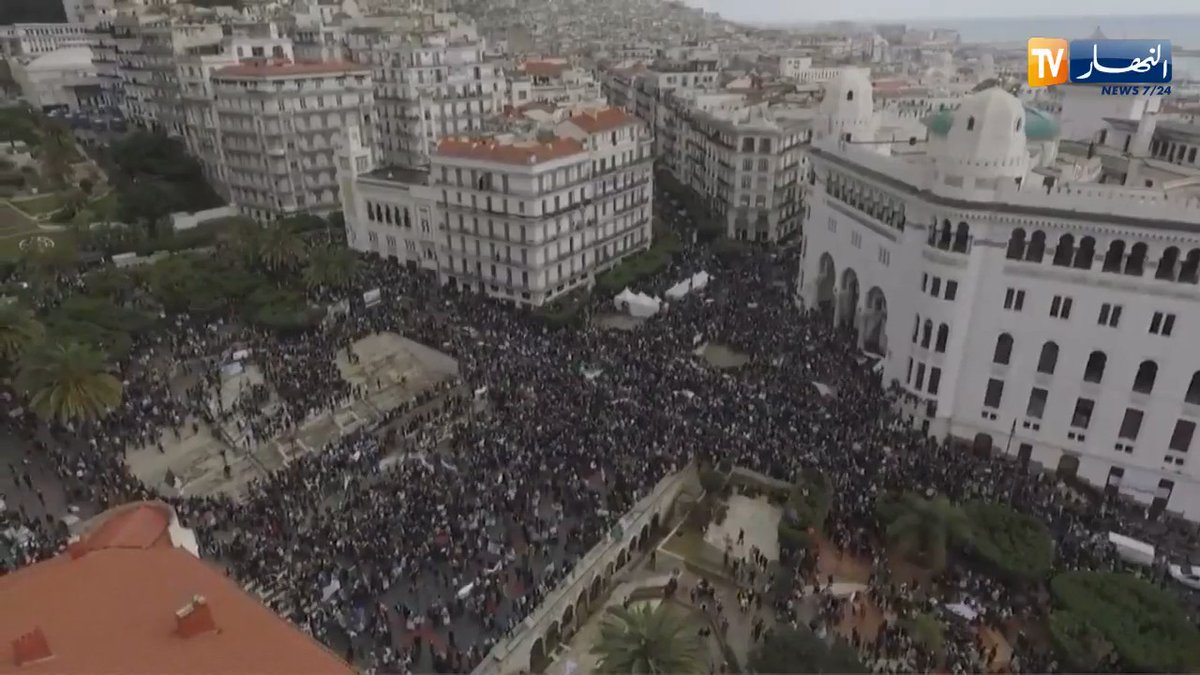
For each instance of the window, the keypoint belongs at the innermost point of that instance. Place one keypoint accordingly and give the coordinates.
(924, 282)
(1110, 315)
(856, 239)
(1181, 438)
(1082, 417)
(995, 392)
(1131, 424)
(1162, 324)
(908, 377)
(1147, 372)
(1094, 371)
(1037, 403)
(1014, 299)
(1003, 352)
(951, 290)
(1048, 358)
(926, 334)
(1060, 307)
(935, 289)
(943, 335)
(1193, 390)
(920, 376)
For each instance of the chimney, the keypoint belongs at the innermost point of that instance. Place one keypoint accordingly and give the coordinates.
(31, 647)
(194, 618)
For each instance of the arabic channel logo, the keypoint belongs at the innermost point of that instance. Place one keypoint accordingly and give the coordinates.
(1055, 61)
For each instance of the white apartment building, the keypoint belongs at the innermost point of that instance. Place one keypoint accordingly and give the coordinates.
(197, 94)
(61, 78)
(279, 126)
(1022, 292)
(427, 87)
(551, 81)
(521, 220)
(639, 89)
(31, 39)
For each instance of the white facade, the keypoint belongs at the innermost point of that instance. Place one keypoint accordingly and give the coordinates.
(56, 78)
(521, 220)
(1048, 318)
(279, 128)
(427, 88)
(31, 39)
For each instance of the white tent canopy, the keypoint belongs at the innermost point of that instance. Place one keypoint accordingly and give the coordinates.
(638, 305)
(693, 283)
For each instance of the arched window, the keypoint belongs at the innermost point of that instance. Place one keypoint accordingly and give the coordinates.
(1048, 358)
(1189, 273)
(1085, 254)
(926, 334)
(1037, 247)
(1167, 263)
(971, 124)
(1004, 346)
(850, 95)
(1146, 374)
(1064, 253)
(1114, 257)
(1193, 392)
(961, 236)
(943, 335)
(1094, 371)
(1135, 264)
(944, 236)
(1016, 244)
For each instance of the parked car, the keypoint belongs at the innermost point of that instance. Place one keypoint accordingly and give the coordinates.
(1188, 575)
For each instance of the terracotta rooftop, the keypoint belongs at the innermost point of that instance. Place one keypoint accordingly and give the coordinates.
(605, 119)
(543, 68)
(289, 69)
(125, 600)
(489, 150)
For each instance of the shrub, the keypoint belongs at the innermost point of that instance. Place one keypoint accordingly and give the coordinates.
(1146, 627)
(1017, 546)
(810, 500)
(787, 650)
(1079, 643)
(700, 515)
(926, 630)
(566, 311)
(793, 539)
(282, 310)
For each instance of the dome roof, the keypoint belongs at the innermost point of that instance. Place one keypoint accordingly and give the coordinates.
(1039, 125)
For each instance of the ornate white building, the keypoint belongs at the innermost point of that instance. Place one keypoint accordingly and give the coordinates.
(1022, 296)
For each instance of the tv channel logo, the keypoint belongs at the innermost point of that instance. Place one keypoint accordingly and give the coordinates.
(1055, 61)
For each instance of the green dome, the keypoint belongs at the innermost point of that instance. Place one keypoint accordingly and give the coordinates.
(1039, 126)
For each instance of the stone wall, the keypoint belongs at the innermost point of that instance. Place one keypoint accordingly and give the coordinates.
(566, 608)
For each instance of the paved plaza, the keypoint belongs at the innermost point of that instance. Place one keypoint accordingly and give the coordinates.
(757, 518)
(722, 357)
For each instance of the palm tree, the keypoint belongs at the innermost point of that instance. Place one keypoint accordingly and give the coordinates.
(330, 267)
(920, 529)
(19, 328)
(650, 640)
(280, 247)
(68, 382)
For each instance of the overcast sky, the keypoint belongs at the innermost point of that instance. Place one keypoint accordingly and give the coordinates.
(890, 10)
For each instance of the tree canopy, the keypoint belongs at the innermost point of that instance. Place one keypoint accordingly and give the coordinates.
(155, 177)
(68, 382)
(648, 639)
(792, 650)
(1144, 625)
(1015, 545)
(921, 529)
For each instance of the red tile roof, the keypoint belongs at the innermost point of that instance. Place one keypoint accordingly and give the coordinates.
(605, 119)
(129, 602)
(543, 68)
(489, 150)
(289, 69)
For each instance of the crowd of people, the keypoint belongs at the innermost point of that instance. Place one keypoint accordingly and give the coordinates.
(407, 552)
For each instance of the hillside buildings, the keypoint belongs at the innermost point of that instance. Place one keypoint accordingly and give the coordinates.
(1025, 292)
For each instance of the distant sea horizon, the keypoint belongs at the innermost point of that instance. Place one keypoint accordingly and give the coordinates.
(1183, 30)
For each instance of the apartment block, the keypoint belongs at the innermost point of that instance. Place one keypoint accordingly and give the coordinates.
(522, 219)
(427, 86)
(279, 126)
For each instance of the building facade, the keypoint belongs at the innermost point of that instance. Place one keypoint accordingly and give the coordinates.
(31, 39)
(1018, 300)
(280, 125)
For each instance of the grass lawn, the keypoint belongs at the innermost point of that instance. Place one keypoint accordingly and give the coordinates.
(692, 548)
(100, 210)
(40, 205)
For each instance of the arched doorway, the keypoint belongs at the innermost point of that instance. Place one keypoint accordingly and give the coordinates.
(644, 537)
(568, 622)
(597, 586)
(1162, 497)
(1068, 467)
(538, 661)
(982, 445)
(552, 639)
(875, 322)
(655, 522)
(826, 283)
(622, 558)
(847, 314)
(581, 604)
